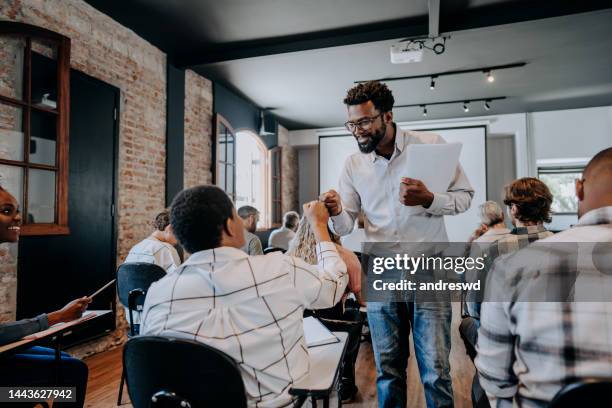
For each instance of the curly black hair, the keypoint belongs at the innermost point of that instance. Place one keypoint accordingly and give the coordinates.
(199, 215)
(374, 91)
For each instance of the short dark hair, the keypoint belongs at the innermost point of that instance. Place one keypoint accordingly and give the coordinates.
(246, 210)
(162, 220)
(374, 91)
(532, 199)
(199, 215)
(291, 219)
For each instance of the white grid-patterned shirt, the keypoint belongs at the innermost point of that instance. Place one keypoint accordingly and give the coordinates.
(249, 307)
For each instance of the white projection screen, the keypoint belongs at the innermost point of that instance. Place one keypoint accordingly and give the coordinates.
(333, 151)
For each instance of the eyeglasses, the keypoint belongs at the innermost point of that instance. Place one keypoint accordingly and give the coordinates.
(363, 124)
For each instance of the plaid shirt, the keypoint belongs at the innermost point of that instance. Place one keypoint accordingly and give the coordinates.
(249, 307)
(498, 244)
(527, 351)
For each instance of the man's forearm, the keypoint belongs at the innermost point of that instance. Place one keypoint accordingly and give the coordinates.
(10, 332)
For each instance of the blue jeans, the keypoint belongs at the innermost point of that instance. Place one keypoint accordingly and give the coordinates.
(390, 326)
(36, 367)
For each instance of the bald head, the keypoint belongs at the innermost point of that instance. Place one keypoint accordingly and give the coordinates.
(595, 189)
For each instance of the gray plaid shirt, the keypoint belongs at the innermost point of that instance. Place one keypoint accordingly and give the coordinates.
(527, 351)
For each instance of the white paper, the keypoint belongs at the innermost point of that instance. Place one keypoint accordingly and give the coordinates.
(433, 164)
(316, 334)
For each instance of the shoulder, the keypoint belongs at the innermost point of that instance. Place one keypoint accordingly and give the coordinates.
(413, 136)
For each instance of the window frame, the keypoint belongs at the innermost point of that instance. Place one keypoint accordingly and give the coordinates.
(62, 114)
(221, 121)
(278, 179)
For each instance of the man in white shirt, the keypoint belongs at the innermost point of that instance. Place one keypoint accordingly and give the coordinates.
(281, 237)
(397, 209)
(157, 248)
(528, 350)
(249, 307)
(250, 218)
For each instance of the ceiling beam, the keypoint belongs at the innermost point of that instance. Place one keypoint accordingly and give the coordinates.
(389, 30)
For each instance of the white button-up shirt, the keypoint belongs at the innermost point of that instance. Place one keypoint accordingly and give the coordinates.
(371, 183)
(249, 307)
(152, 250)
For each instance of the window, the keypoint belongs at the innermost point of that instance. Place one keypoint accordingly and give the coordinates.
(34, 105)
(275, 179)
(561, 182)
(251, 174)
(225, 153)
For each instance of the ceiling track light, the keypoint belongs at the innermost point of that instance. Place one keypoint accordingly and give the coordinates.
(464, 102)
(432, 84)
(486, 70)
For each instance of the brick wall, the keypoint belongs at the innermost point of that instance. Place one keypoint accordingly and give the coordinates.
(198, 130)
(112, 53)
(289, 172)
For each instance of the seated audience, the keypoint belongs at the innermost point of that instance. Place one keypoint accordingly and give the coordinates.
(35, 367)
(157, 248)
(492, 225)
(250, 218)
(280, 238)
(528, 350)
(341, 317)
(249, 307)
(528, 200)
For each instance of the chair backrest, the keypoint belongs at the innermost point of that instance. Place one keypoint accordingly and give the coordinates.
(136, 275)
(273, 249)
(591, 393)
(194, 372)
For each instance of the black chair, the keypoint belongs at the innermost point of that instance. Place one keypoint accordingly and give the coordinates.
(165, 372)
(133, 281)
(272, 249)
(590, 392)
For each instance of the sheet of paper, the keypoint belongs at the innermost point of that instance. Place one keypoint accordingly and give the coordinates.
(316, 334)
(433, 164)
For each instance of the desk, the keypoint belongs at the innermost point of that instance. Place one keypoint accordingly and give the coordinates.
(325, 363)
(53, 335)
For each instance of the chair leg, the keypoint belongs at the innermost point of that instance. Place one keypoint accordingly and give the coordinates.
(121, 387)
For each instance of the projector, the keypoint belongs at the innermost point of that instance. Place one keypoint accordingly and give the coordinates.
(406, 52)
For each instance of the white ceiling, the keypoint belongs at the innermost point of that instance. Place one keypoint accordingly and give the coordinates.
(569, 66)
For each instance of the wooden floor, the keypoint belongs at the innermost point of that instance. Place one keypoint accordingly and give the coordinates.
(105, 374)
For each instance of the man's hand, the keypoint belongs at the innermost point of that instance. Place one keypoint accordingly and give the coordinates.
(70, 312)
(331, 199)
(413, 192)
(317, 215)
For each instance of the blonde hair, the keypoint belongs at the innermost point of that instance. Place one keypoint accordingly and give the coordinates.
(303, 244)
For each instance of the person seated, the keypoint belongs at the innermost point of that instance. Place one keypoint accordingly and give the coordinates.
(249, 307)
(338, 318)
(529, 201)
(157, 248)
(492, 225)
(528, 350)
(281, 237)
(250, 218)
(35, 367)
